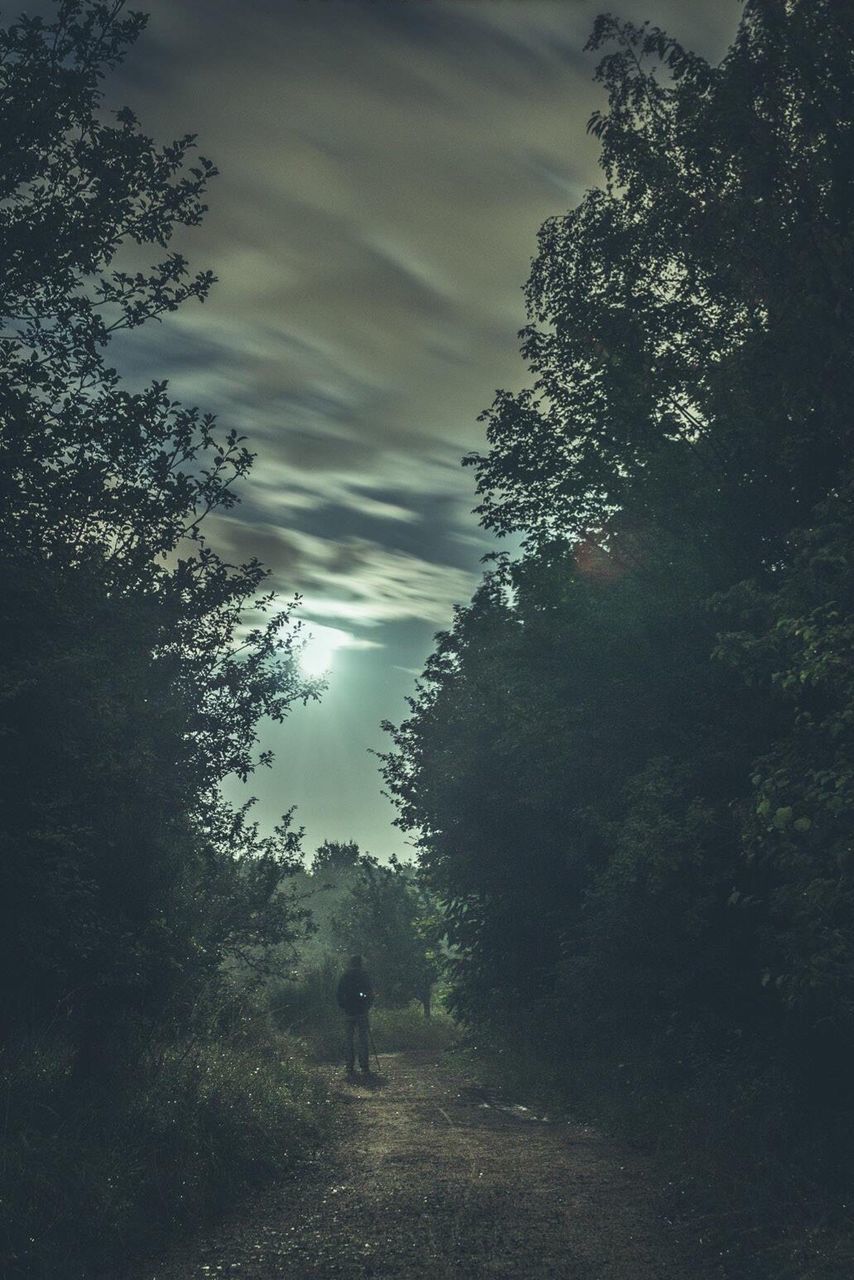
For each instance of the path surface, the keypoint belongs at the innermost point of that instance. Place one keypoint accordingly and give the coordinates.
(431, 1176)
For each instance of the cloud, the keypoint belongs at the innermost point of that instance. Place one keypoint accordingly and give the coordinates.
(385, 166)
(370, 584)
(353, 580)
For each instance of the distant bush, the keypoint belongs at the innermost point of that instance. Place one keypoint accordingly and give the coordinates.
(397, 1030)
(306, 1007)
(89, 1175)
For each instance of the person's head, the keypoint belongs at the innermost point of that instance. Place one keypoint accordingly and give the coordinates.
(355, 962)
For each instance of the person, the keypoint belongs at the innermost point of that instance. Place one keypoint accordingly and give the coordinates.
(355, 996)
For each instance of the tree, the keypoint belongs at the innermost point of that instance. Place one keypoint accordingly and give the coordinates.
(133, 685)
(628, 762)
(689, 324)
(795, 643)
(336, 859)
(357, 904)
(388, 915)
(562, 715)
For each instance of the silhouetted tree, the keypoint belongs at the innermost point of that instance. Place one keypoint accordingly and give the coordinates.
(389, 915)
(690, 322)
(136, 663)
(629, 762)
(335, 858)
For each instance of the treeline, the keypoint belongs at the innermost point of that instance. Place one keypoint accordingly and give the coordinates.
(630, 762)
(382, 911)
(135, 668)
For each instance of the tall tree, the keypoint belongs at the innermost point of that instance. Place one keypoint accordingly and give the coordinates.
(690, 323)
(628, 762)
(137, 663)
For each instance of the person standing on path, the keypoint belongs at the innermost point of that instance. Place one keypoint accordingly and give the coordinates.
(355, 996)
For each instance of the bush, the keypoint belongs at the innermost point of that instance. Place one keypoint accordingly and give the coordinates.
(752, 1176)
(306, 1007)
(401, 1029)
(90, 1175)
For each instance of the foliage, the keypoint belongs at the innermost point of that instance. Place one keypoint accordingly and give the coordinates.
(628, 763)
(357, 904)
(404, 1029)
(304, 1007)
(383, 912)
(335, 859)
(689, 324)
(321, 889)
(386, 913)
(797, 645)
(89, 1176)
(565, 735)
(136, 663)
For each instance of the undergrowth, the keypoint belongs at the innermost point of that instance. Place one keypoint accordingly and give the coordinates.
(90, 1174)
(306, 1007)
(749, 1178)
(396, 1030)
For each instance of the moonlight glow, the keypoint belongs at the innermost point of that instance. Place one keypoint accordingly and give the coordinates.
(317, 654)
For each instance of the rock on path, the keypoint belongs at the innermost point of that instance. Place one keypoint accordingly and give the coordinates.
(430, 1177)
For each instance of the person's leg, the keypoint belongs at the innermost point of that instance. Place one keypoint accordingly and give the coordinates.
(364, 1060)
(350, 1027)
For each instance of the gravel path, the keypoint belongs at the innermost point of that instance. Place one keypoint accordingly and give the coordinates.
(430, 1176)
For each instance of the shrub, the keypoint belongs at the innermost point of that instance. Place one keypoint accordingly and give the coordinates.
(89, 1175)
(306, 1007)
(407, 1028)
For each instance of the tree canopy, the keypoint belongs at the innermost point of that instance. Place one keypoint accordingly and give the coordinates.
(136, 663)
(629, 761)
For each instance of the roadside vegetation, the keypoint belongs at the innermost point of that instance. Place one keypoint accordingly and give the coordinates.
(93, 1175)
(630, 762)
(138, 911)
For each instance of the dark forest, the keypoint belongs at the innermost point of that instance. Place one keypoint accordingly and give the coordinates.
(627, 769)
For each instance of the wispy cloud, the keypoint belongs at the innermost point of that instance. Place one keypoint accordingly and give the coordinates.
(352, 580)
(385, 165)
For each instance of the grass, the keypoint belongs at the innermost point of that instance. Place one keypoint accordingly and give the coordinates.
(396, 1030)
(91, 1175)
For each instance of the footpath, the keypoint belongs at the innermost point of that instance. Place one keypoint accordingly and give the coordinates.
(430, 1176)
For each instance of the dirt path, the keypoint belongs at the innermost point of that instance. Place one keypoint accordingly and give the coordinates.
(430, 1176)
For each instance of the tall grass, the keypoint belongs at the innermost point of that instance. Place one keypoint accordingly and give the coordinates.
(88, 1175)
(306, 1007)
(397, 1030)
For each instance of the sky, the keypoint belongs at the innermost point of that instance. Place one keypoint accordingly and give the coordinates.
(384, 168)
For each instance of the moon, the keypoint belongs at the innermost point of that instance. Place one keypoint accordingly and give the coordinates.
(317, 654)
